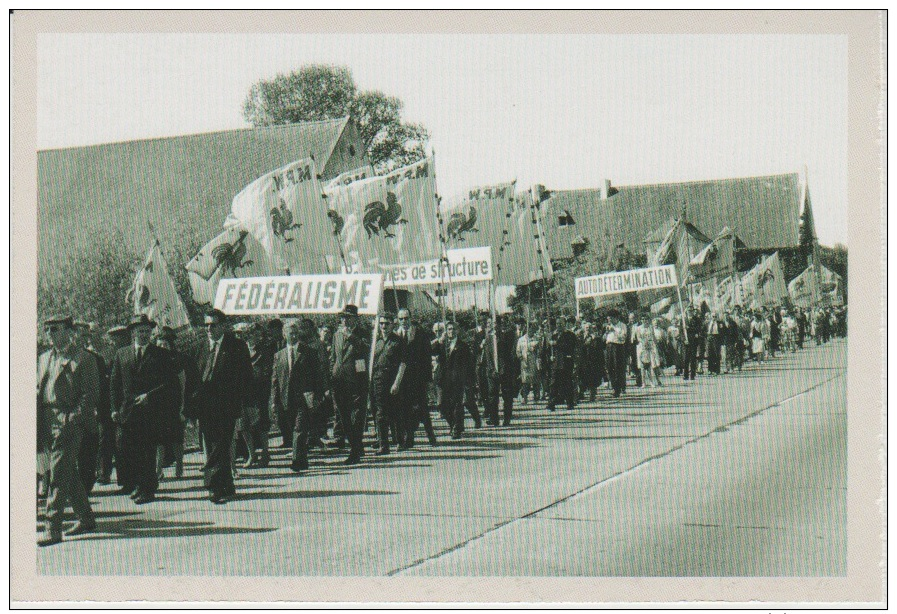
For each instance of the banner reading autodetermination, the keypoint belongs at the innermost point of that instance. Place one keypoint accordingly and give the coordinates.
(296, 294)
(464, 265)
(626, 281)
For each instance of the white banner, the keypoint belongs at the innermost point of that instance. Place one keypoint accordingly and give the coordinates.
(626, 281)
(386, 220)
(464, 265)
(155, 294)
(297, 294)
(286, 212)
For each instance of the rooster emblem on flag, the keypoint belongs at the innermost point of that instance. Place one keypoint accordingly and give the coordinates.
(766, 277)
(229, 256)
(282, 221)
(378, 216)
(460, 223)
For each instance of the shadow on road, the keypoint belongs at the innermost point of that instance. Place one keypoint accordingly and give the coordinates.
(143, 528)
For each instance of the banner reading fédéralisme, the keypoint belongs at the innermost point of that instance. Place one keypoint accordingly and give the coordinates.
(633, 280)
(297, 294)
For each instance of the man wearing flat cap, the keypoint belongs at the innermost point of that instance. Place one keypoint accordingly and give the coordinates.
(118, 337)
(143, 388)
(350, 355)
(67, 392)
(225, 369)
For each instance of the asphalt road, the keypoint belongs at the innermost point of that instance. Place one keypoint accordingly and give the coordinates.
(738, 475)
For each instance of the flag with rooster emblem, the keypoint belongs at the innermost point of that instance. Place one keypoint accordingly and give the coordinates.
(385, 220)
(155, 294)
(494, 216)
(822, 285)
(764, 285)
(233, 254)
(285, 211)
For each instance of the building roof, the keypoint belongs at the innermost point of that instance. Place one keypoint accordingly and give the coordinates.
(763, 212)
(184, 185)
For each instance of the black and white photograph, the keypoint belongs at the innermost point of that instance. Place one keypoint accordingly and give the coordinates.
(418, 305)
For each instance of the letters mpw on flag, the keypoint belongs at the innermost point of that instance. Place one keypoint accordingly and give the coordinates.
(286, 212)
(386, 220)
(232, 254)
(155, 294)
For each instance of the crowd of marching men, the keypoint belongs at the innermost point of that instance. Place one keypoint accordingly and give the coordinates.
(124, 399)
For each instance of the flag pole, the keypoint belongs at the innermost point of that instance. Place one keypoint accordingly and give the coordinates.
(682, 313)
(494, 323)
(338, 235)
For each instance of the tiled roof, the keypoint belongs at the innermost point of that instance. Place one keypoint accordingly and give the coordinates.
(183, 184)
(762, 211)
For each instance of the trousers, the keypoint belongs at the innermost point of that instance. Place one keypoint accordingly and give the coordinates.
(65, 485)
(351, 405)
(217, 435)
(616, 367)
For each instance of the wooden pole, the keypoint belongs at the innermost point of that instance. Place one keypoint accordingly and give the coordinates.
(494, 324)
(682, 314)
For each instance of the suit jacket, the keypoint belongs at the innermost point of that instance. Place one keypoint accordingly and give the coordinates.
(289, 386)
(419, 366)
(457, 367)
(75, 388)
(349, 351)
(222, 394)
(154, 374)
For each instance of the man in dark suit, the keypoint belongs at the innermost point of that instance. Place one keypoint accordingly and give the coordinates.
(118, 337)
(171, 446)
(225, 376)
(143, 388)
(350, 356)
(90, 443)
(388, 371)
(563, 386)
(297, 386)
(694, 338)
(419, 371)
(457, 372)
(632, 351)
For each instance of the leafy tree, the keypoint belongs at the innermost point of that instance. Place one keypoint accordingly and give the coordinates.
(91, 285)
(316, 92)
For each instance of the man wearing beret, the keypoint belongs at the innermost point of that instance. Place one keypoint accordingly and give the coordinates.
(67, 391)
(143, 388)
(350, 355)
(225, 369)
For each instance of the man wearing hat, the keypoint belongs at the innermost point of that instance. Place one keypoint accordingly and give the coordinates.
(87, 457)
(143, 388)
(117, 338)
(350, 355)
(67, 392)
(225, 369)
(171, 446)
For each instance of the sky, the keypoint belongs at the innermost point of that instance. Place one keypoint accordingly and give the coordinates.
(562, 110)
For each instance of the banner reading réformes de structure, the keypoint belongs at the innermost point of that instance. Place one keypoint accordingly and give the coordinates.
(298, 294)
(464, 265)
(633, 280)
